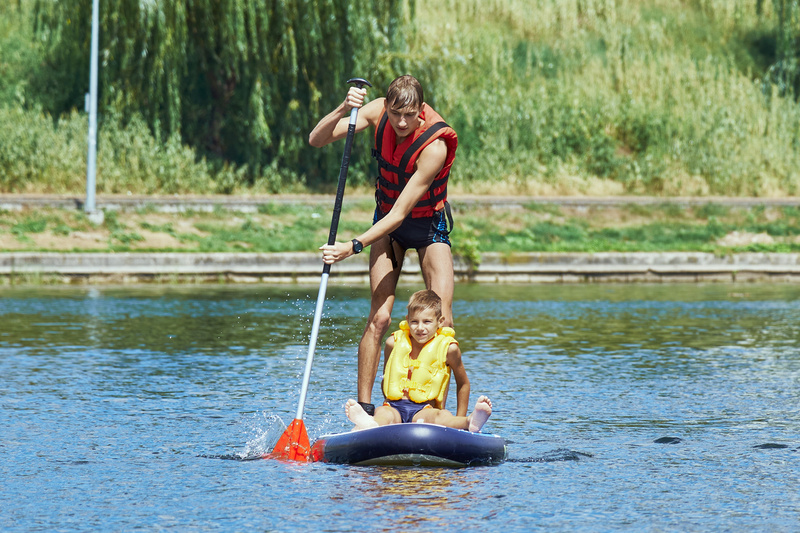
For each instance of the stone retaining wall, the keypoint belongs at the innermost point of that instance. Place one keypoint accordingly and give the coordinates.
(132, 267)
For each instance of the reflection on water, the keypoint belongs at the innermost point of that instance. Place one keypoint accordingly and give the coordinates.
(621, 403)
(411, 497)
(415, 499)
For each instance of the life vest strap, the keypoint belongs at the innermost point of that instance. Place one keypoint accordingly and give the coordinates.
(420, 142)
(386, 184)
(428, 200)
(381, 128)
(384, 164)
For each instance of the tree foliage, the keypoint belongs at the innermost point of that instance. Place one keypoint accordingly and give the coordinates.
(240, 80)
(786, 71)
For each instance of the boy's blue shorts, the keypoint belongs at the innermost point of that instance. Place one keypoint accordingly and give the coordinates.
(406, 408)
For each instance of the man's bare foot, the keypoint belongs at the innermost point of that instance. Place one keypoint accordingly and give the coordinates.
(483, 409)
(359, 417)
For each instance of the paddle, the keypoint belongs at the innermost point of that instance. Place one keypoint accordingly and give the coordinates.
(293, 444)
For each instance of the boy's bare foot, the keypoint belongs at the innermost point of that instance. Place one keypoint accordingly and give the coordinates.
(359, 417)
(483, 409)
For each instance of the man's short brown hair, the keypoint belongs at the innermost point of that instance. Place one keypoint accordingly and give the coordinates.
(404, 92)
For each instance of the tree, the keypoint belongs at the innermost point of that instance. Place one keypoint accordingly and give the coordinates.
(242, 81)
(786, 71)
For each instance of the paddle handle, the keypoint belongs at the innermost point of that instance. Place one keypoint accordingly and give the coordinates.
(348, 147)
(337, 210)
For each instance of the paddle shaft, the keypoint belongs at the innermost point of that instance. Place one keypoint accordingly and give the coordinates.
(323, 286)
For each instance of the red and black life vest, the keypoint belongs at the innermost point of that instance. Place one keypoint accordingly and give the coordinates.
(396, 164)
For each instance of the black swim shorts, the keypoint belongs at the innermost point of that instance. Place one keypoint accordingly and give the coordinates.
(421, 232)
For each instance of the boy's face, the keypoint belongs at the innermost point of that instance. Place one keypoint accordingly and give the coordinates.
(403, 121)
(423, 325)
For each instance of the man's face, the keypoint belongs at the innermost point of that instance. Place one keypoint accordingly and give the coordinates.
(404, 121)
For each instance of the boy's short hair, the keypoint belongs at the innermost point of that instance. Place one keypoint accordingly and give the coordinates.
(425, 299)
(403, 93)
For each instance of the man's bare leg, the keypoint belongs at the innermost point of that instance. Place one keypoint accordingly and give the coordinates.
(383, 278)
(436, 262)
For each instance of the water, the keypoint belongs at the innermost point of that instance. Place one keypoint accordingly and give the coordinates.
(628, 407)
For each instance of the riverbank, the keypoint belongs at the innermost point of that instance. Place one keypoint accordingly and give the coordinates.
(272, 239)
(250, 204)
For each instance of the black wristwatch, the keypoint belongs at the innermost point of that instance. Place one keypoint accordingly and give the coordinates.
(357, 246)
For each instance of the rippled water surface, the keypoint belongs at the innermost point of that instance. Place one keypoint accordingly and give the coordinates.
(627, 407)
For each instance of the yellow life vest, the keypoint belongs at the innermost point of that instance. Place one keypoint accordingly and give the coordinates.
(430, 374)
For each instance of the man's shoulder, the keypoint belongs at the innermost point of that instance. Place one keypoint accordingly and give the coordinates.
(374, 109)
(436, 148)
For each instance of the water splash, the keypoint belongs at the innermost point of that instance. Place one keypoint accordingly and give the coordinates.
(266, 429)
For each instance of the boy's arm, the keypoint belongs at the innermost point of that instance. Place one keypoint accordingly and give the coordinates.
(333, 126)
(462, 380)
(387, 351)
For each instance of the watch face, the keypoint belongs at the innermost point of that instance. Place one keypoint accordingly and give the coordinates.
(357, 246)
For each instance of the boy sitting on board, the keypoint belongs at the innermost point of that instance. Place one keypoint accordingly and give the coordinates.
(418, 360)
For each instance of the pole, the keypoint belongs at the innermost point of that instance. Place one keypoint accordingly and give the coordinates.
(293, 444)
(326, 269)
(91, 168)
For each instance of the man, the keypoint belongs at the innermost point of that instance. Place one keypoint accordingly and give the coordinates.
(415, 150)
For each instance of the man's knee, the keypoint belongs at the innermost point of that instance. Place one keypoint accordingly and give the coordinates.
(379, 324)
(448, 318)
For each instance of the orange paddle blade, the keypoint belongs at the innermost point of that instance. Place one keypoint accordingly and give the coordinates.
(293, 444)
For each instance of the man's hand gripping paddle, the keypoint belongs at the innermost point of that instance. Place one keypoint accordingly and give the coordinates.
(293, 444)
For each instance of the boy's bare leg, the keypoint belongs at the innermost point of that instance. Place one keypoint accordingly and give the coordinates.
(383, 282)
(473, 422)
(384, 415)
(441, 417)
(482, 412)
(358, 416)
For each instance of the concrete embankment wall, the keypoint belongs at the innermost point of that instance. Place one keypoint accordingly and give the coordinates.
(16, 267)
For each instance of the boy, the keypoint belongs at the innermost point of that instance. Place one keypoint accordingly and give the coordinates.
(415, 150)
(418, 360)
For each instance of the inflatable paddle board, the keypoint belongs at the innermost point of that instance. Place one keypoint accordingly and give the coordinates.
(414, 444)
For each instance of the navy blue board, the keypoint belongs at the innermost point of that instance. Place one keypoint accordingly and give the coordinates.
(410, 445)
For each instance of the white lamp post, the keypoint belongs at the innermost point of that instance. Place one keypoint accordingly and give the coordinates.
(91, 104)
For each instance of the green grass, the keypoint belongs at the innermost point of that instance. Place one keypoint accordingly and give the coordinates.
(29, 225)
(478, 229)
(159, 228)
